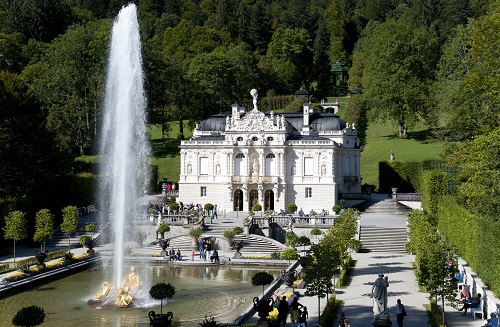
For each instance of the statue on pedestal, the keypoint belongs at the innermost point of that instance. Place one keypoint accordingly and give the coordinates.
(379, 292)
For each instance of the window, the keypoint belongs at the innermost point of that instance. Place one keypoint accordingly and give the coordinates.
(308, 166)
(203, 166)
(347, 166)
(239, 164)
(270, 138)
(255, 138)
(270, 165)
(203, 191)
(239, 139)
(309, 192)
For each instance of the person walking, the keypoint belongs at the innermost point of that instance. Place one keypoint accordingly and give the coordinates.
(214, 212)
(282, 311)
(295, 311)
(303, 317)
(400, 313)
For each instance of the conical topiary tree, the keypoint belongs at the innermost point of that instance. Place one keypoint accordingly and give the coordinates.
(161, 291)
(262, 278)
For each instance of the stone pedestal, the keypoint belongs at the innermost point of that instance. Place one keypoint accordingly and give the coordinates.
(382, 320)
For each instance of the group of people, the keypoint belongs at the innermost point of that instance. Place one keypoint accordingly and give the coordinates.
(298, 313)
(466, 301)
(205, 247)
(174, 255)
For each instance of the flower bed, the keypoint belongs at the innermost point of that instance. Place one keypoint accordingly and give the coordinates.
(26, 272)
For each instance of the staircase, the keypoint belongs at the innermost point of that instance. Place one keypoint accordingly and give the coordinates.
(253, 245)
(388, 207)
(60, 239)
(383, 239)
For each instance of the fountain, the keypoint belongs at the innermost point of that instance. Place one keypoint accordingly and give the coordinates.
(124, 146)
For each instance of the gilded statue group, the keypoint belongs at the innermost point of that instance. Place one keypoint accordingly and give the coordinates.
(129, 287)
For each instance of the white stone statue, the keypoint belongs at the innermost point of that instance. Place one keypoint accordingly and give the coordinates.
(379, 293)
(255, 167)
(255, 95)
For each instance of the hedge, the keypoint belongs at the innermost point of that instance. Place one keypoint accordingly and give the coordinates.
(329, 314)
(30, 261)
(475, 237)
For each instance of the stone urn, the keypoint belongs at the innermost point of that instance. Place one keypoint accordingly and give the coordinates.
(288, 277)
(160, 320)
(40, 257)
(164, 243)
(263, 307)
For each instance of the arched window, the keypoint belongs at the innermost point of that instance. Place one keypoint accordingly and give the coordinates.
(239, 164)
(270, 165)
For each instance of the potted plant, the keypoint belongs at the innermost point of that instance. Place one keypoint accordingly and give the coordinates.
(90, 228)
(316, 232)
(88, 242)
(289, 254)
(208, 207)
(195, 234)
(304, 241)
(292, 240)
(262, 278)
(29, 316)
(292, 208)
(174, 206)
(229, 234)
(336, 208)
(161, 291)
(209, 322)
(256, 207)
(162, 229)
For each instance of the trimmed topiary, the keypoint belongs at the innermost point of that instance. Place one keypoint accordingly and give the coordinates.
(161, 291)
(29, 316)
(262, 278)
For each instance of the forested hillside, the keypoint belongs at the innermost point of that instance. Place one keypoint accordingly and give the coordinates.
(430, 61)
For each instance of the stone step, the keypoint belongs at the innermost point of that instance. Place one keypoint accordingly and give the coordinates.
(380, 239)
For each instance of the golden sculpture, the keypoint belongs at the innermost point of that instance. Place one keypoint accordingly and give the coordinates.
(132, 280)
(104, 291)
(123, 299)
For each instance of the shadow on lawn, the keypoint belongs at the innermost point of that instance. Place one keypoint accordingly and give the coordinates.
(429, 135)
(169, 149)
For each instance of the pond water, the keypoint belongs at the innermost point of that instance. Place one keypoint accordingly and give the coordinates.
(220, 291)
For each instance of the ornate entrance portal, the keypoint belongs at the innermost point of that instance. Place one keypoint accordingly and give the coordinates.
(238, 200)
(253, 198)
(269, 200)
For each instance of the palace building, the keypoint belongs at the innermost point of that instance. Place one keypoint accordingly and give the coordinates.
(243, 157)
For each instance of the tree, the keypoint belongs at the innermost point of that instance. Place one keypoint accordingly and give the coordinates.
(399, 69)
(161, 291)
(15, 228)
(44, 225)
(468, 77)
(39, 19)
(292, 239)
(29, 316)
(71, 83)
(31, 164)
(291, 57)
(70, 222)
(262, 278)
(289, 254)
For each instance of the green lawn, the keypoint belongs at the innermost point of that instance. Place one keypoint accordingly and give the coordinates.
(381, 138)
(166, 156)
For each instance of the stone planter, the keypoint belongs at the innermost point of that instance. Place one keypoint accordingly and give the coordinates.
(288, 277)
(263, 307)
(160, 320)
(41, 257)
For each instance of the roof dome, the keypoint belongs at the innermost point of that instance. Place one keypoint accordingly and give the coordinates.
(215, 123)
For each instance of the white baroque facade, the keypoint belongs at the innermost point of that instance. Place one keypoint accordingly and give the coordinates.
(244, 157)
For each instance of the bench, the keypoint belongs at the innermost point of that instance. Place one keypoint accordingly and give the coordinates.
(91, 209)
(478, 310)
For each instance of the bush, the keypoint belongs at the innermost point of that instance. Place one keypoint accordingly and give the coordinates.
(29, 316)
(292, 208)
(163, 228)
(256, 207)
(85, 240)
(208, 206)
(90, 228)
(173, 206)
(262, 278)
(238, 230)
(139, 237)
(289, 254)
(195, 232)
(336, 208)
(329, 314)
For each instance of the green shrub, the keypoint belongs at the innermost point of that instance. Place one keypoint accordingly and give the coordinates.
(289, 254)
(195, 232)
(292, 208)
(329, 314)
(256, 207)
(163, 228)
(29, 316)
(90, 228)
(238, 230)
